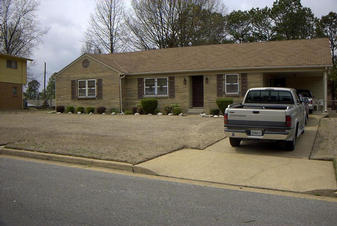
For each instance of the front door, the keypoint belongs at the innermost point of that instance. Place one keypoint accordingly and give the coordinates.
(197, 91)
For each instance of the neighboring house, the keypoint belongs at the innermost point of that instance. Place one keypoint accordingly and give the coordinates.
(13, 75)
(193, 77)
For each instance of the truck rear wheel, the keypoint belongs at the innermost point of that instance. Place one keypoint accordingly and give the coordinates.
(290, 145)
(235, 142)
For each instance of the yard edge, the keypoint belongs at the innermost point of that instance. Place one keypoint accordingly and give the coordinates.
(315, 139)
(77, 160)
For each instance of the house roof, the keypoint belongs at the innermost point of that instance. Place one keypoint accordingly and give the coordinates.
(14, 57)
(272, 54)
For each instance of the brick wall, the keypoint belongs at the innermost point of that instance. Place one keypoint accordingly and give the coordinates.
(10, 96)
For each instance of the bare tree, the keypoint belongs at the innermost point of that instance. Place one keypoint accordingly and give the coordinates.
(171, 23)
(104, 32)
(19, 30)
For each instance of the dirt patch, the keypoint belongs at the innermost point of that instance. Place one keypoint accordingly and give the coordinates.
(325, 145)
(130, 139)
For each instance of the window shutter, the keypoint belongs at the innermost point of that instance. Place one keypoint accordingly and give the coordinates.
(99, 88)
(73, 89)
(244, 84)
(219, 85)
(140, 88)
(172, 88)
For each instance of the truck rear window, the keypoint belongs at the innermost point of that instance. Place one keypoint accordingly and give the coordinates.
(269, 97)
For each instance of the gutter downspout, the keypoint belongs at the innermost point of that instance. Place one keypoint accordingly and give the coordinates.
(121, 92)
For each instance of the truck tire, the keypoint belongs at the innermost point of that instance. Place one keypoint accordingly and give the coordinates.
(235, 142)
(290, 145)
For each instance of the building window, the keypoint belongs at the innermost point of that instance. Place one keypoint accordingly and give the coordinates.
(231, 83)
(15, 91)
(156, 86)
(87, 88)
(12, 64)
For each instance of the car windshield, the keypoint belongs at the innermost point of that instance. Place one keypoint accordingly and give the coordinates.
(304, 93)
(269, 97)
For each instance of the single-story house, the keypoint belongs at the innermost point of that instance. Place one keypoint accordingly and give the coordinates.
(13, 75)
(194, 77)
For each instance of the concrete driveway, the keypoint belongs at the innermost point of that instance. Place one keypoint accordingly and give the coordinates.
(253, 164)
(303, 148)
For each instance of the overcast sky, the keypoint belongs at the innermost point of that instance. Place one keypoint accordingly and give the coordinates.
(67, 21)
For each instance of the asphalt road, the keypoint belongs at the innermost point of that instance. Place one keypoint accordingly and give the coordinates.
(33, 193)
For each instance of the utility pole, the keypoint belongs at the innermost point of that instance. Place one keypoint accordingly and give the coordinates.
(44, 80)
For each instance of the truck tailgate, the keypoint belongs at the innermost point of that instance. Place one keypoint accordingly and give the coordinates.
(256, 116)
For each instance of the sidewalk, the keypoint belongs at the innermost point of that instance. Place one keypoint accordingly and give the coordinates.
(290, 174)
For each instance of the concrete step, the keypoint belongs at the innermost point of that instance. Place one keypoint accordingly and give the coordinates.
(195, 111)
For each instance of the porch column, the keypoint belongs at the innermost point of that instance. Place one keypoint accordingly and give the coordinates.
(325, 88)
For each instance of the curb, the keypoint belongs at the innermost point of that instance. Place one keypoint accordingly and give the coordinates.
(77, 160)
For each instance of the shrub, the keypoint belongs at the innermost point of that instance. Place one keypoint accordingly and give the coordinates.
(214, 111)
(223, 102)
(90, 110)
(80, 109)
(176, 110)
(169, 109)
(70, 109)
(60, 109)
(149, 105)
(140, 109)
(134, 110)
(100, 110)
(128, 112)
(113, 110)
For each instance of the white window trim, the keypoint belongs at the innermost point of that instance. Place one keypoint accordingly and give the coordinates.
(156, 87)
(86, 88)
(238, 83)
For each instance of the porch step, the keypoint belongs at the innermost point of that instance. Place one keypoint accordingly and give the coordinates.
(195, 111)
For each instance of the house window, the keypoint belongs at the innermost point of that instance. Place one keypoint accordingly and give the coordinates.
(231, 83)
(15, 91)
(87, 88)
(12, 64)
(156, 86)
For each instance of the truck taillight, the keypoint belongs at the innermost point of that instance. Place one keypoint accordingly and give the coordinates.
(310, 101)
(288, 121)
(225, 118)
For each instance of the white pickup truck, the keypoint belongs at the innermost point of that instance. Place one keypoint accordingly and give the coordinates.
(266, 114)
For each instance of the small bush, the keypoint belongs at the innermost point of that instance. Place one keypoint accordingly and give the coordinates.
(128, 112)
(223, 102)
(169, 109)
(70, 109)
(176, 110)
(149, 105)
(140, 109)
(100, 110)
(134, 110)
(113, 110)
(214, 111)
(90, 110)
(80, 109)
(60, 109)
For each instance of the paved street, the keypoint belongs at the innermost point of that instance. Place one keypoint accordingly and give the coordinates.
(34, 193)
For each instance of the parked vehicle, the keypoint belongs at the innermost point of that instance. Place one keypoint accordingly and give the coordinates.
(305, 101)
(266, 114)
(307, 93)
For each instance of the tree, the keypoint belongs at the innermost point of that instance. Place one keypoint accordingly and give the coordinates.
(261, 24)
(104, 32)
(50, 92)
(292, 20)
(32, 91)
(173, 23)
(19, 30)
(238, 25)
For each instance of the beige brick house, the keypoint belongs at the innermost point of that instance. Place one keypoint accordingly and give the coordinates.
(194, 77)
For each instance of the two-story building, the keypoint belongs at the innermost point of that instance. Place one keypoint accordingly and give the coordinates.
(13, 75)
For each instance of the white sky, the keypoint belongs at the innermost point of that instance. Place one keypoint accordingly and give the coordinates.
(67, 21)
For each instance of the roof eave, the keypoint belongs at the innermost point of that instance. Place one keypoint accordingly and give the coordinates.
(323, 67)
